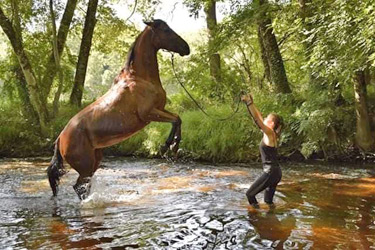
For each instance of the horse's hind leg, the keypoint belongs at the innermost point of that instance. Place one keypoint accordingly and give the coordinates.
(82, 187)
(83, 161)
(98, 158)
(83, 184)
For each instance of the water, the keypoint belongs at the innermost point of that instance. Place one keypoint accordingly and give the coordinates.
(153, 204)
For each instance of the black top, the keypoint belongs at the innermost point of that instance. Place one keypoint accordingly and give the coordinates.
(267, 153)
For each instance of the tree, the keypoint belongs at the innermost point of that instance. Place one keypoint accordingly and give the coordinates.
(363, 136)
(15, 37)
(38, 89)
(62, 34)
(56, 56)
(214, 56)
(210, 50)
(271, 56)
(23, 93)
(84, 53)
(342, 48)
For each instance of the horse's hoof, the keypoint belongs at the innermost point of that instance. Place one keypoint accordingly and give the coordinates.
(176, 153)
(179, 152)
(83, 189)
(174, 147)
(163, 150)
(83, 195)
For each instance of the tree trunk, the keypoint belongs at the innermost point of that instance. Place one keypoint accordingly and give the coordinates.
(34, 90)
(56, 99)
(364, 138)
(51, 67)
(57, 61)
(267, 71)
(271, 51)
(84, 52)
(214, 56)
(21, 84)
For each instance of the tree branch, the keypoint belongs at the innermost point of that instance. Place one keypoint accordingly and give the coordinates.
(284, 38)
(51, 68)
(57, 60)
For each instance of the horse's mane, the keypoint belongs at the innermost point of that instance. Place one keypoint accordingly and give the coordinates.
(129, 60)
(131, 55)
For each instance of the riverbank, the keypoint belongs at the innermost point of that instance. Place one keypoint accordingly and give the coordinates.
(134, 147)
(203, 139)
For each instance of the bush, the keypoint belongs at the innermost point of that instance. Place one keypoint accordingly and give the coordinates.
(19, 137)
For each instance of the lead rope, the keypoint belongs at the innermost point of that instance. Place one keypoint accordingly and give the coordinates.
(196, 103)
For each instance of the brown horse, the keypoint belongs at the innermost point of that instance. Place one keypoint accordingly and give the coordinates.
(135, 99)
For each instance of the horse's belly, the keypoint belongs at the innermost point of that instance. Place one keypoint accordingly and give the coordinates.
(112, 129)
(108, 141)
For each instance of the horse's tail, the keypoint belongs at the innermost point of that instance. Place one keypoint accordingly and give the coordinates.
(55, 169)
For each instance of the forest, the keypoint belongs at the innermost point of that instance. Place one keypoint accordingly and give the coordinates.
(311, 61)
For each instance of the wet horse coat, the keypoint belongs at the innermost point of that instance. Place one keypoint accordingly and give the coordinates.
(136, 99)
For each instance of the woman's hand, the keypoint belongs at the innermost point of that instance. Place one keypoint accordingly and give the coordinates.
(248, 99)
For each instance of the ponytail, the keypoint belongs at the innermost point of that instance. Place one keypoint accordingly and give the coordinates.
(279, 123)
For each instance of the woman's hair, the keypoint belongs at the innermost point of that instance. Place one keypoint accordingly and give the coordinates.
(278, 121)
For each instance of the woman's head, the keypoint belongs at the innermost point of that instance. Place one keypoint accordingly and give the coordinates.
(275, 122)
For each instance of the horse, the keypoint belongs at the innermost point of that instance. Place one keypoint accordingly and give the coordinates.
(135, 99)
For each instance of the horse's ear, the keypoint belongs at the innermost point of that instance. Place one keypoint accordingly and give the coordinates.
(148, 23)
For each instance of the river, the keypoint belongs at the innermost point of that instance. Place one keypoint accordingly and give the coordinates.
(156, 204)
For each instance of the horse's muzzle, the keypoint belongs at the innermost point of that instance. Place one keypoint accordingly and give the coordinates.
(185, 51)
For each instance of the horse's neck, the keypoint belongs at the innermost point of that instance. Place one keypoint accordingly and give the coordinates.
(145, 63)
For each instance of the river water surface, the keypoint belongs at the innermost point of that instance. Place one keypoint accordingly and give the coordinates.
(155, 204)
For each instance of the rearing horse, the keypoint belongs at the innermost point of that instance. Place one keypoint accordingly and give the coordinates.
(135, 99)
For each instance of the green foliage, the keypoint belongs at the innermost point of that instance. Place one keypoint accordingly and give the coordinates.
(342, 38)
(208, 139)
(16, 137)
(321, 50)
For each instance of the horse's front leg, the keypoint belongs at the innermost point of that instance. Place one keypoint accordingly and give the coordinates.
(174, 137)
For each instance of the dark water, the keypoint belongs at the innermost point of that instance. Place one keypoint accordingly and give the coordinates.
(153, 204)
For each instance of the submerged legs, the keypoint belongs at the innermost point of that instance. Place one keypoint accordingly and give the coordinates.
(267, 181)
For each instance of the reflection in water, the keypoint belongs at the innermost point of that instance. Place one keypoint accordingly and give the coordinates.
(271, 229)
(154, 205)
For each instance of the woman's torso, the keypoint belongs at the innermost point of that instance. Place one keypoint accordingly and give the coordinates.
(268, 155)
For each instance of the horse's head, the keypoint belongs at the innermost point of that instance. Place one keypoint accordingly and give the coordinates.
(166, 38)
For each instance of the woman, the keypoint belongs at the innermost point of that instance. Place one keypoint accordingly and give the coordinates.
(271, 176)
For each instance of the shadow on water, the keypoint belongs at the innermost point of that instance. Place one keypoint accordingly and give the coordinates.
(150, 204)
